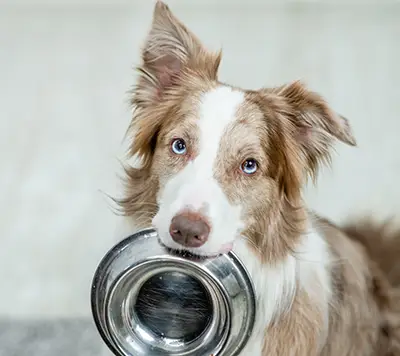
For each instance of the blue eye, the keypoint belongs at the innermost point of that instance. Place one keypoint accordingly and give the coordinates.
(178, 146)
(249, 166)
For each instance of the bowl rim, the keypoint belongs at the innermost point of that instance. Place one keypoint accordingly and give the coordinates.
(209, 281)
(99, 311)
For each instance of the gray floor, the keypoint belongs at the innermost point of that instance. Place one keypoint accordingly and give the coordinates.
(51, 338)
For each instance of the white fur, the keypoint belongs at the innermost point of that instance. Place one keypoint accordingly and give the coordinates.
(195, 187)
(314, 262)
(276, 286)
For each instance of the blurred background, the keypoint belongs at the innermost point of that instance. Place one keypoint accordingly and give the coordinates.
(65, 69)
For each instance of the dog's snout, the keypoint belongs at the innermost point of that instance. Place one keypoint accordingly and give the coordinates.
(189, 229)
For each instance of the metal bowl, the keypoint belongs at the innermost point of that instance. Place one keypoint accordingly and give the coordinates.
(148, 300)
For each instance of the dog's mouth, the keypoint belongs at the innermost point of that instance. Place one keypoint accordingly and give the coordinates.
(189, 255)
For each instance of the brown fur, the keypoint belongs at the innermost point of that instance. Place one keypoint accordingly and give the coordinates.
(357, 319)
(382, 241)
(290, 130)
(297, 332)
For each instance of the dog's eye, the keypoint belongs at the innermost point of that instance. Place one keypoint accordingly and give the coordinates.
(178, 146)
(249, 166)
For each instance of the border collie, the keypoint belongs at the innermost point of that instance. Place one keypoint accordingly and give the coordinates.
(222, 168)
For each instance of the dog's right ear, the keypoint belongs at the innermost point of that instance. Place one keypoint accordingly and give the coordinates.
(169, 48)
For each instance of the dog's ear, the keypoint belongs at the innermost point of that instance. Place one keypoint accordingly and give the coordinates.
(170, 48)
(314, 123)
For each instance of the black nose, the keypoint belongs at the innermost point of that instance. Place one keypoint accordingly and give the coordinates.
(189, 229)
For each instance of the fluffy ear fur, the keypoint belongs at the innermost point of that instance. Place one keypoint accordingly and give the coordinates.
(170, 49)
(171, 56)
(315, 124)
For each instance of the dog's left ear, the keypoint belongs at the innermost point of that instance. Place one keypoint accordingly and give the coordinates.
(315, 123)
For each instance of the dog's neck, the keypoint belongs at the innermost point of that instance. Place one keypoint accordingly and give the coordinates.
(277, 284)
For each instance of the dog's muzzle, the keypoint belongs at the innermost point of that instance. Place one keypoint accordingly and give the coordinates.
(147, 300)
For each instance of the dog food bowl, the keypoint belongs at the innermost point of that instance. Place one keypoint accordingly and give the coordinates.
(148, 300)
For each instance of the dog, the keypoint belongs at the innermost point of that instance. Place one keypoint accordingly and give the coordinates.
(222, 169)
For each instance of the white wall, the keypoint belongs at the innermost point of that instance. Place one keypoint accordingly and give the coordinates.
(64, 69)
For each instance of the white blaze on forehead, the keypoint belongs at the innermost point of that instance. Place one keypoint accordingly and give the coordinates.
(218, 109)
(195, 186)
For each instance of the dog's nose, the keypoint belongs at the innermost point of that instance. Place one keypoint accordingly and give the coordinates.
(189, 229)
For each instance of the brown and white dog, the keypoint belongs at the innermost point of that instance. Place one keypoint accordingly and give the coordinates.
(222, 168)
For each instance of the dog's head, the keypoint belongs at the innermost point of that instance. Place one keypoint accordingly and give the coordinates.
(218, 161)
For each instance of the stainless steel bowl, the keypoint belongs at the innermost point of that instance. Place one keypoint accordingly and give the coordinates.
(148, 300)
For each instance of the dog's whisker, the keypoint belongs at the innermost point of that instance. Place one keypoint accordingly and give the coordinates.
(252, 243)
